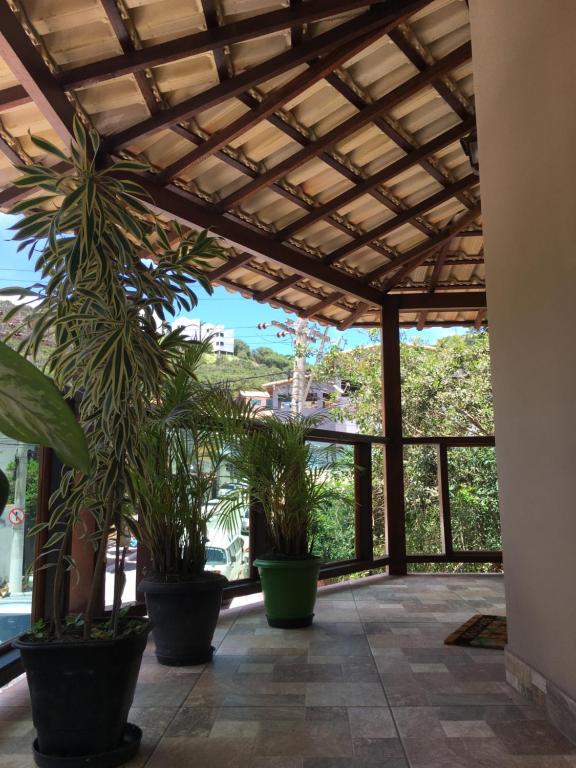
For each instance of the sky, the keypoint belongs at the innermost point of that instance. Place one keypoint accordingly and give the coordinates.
(222, 306)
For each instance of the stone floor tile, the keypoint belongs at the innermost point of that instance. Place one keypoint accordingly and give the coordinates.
(477, 729)
(345, 695)
(310, 738)
(329, 714)
(208, 753)
(371, 723)
(532, 737)
(192, 721)
(373, 750)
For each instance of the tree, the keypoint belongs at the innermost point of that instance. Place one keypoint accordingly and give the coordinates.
(445, 392)
(241, 349)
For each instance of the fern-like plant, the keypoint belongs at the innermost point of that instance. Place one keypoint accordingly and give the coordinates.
(108, 271)
(287, 476)
(189, 433)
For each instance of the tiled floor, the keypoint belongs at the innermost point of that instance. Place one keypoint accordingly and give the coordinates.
(370, 685)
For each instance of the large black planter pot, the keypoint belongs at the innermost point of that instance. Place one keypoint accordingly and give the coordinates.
(81, 693)
(184, 616)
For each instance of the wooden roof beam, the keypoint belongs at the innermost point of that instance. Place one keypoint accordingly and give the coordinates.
(438, 266)
(353, 124)
(233, 86)
(230, 266)
(315, 309)
(413, 55)
(353, 316)
(26, 64)
(228, 34)
(403, 218)
(480, 318)
(418, 254)
(460, 301)
(387, 173)
(279, 287)
(277, 99)
(182, 206)
(421, 251)
(389, 130)
(13, 97)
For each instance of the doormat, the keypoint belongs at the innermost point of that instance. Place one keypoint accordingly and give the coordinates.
(481, 631)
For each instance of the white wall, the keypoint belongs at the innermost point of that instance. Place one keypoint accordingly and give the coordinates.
(524, 54)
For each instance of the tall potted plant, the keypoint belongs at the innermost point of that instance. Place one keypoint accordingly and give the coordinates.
(286, 476)
(108, 270)
(189, 433)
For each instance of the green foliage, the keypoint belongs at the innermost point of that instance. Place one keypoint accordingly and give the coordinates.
(186, 439)
(33, 411)
(286, 476)
(241, 349)
(445, 391)
(334, 530)
(245, 369)
(109, 268)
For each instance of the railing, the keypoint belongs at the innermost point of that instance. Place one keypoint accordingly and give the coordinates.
(364, 558)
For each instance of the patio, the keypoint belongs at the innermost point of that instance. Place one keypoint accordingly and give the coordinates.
(370, 684)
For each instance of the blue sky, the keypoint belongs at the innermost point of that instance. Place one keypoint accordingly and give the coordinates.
(222, 307)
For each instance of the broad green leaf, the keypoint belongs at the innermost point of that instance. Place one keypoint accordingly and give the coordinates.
(33, 411)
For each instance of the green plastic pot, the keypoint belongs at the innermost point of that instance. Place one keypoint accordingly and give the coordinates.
(289, 588)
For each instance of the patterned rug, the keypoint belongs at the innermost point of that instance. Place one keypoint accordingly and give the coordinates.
(481, 631)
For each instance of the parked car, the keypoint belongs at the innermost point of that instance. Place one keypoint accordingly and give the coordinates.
(225, 555)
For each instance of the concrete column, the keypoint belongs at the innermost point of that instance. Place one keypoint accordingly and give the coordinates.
(524, 57)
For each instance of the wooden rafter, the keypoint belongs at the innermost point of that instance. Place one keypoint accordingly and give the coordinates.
(230, 266)
(241, 83)
(13, 97)
(417, 254)
(228, 34)
(120, 30)
(438, 265)
(183, 206)
(402, 218)
(387, 173)
(480, 318)
(276, 100)
(317, 308)
(353, 124)
(388, 129)
(27, 65)
(422, 317)
(400, 41)
(460, 301)
(279, 287)
(361, 307)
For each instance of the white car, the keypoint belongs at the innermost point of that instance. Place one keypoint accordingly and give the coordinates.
(225, 555)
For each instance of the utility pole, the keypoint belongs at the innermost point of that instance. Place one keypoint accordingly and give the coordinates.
(303, 337)
(17, 545)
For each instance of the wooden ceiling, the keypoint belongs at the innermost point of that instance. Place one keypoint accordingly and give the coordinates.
(320, 139)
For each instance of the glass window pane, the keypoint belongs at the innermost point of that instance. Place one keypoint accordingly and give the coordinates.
(20, 464)
(423, 534)
(334, 537)
(378, 502)
(474, 499)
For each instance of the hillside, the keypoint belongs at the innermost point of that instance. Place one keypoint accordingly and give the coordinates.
(247, 369)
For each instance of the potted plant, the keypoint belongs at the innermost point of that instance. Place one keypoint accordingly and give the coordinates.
(189, 434)
(285, 475)
(107, 271)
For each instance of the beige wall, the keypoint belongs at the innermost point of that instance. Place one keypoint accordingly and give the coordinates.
(524, 54)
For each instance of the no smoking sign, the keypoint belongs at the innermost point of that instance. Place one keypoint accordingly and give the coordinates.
(16, 516)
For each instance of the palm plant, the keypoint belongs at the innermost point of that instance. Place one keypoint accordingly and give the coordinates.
(189, 433)
(108, 271)
(287, 476)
